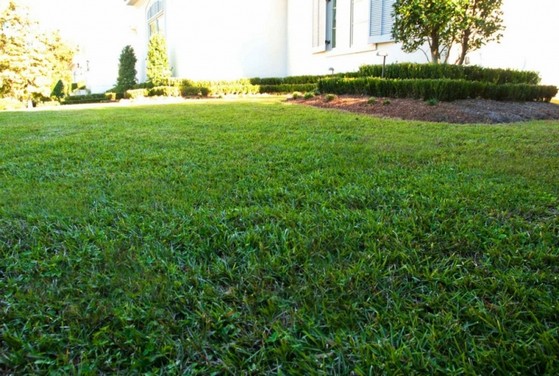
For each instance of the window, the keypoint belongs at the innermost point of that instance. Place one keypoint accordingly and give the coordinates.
(359, 23)
(156, 18)
(381, 21)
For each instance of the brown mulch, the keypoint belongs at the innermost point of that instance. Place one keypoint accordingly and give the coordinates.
(462, 111)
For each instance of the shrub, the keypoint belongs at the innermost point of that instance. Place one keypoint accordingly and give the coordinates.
(440, 89)
(126, 70)
(453, 72)
(286, 88)
(47, 104)
(164, 91)
(58, 91)
(83, 99)
(297, 95)
(195, 91)
(432, 102)
(372, 100)
(308, 95)
(330, 97)
(110, 96)
(386, 102)
(136, 93)
(236, 87)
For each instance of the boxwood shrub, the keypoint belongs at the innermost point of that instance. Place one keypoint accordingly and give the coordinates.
(164, 91)
(82, 99)
(287, 88)
(136, 93)
(440, 89)
(454, 72)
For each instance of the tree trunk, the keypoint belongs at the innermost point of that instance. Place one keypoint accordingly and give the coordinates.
(464, 43)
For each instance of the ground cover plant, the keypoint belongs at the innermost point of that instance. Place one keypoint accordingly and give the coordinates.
(264, 237)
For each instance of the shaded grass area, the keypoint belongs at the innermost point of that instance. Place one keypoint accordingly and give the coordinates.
(263, 237)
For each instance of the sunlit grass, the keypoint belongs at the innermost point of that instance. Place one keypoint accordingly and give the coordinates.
(271, 238)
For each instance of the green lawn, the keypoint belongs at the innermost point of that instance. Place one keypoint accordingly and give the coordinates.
(264, 237)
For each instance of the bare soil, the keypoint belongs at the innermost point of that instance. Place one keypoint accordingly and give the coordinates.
(462, 111)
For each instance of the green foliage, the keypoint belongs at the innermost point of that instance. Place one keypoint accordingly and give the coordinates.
(157, 69)
(83, 99)
(386, 102)
(235, 87)
(432, 102)
(440, 89)
(126, 70)
(308, 95)
(442, 23)
(111, 96)
(164, 91)
(372, 100)
(478, 22)
(59, 90)
(297, 95)
(286, 88)
(255, 237)
(453, 72)
(330, 97)
(136, 93)
(31, 61)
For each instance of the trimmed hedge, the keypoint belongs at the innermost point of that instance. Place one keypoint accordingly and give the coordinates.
(136, 93)
(237, 87)
(441, 89)
(454, 72)
(83, 99)
(164, 91)
(287, 88)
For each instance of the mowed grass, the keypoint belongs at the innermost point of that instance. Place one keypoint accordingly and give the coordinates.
(260, 237)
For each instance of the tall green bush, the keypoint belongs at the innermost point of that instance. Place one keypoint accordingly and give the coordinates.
(126, 70)
(157, 70)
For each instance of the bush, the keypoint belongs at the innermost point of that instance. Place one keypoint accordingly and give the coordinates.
(237, 87)
(164, 91)
(110, 96)
(58, 91)
(453, 72)
(297, 95)
(136, 93)
(330, 97)
(195, 91)
(48, 104)
(286, 88)
(308, 95)
(83, 99)
(440, 89)
(372, 100)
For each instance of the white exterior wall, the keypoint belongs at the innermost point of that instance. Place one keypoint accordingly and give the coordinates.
(529, 41)
(352, 42)
(220, 40)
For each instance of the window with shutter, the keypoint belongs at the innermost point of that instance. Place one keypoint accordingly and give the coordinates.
(381, 21)
(331, 24)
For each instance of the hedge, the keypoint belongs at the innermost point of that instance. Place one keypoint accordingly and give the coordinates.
(83, 99)
(164, 91)
(287, 88)
(441, 89)
(454, 72)
(136, 93)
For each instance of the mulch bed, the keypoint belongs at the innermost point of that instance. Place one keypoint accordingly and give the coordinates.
(462, 111)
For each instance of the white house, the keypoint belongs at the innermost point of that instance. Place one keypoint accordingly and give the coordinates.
(219, 39)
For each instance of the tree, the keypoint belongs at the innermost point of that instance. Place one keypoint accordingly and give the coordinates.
(157, 69)
(126, 70)
(442, 23)
(31, 62)
(479, 22)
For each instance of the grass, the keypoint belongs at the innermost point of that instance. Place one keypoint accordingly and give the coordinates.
(268, 238)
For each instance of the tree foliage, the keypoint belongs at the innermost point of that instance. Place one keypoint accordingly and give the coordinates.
(31, 61)
(479, 22)
(157, 69)
(126, 70)
(443, 23)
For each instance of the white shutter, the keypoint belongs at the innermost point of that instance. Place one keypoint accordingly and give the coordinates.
(387, 19)
(319, 25)
(381, 21)
(376, 18)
